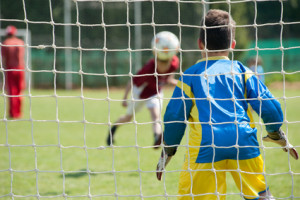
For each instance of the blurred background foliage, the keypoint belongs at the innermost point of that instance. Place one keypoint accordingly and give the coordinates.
(100, 25)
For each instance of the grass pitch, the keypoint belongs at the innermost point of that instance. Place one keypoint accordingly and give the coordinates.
(58, 150)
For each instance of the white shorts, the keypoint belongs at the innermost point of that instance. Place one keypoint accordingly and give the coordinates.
(137, 104)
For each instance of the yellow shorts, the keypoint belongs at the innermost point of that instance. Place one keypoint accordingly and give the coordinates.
(207, 181)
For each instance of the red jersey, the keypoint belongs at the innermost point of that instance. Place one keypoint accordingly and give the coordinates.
(13, 56)
(149, 81)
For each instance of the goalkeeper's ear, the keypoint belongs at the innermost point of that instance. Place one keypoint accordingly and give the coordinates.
(233, 43)
(200, 44)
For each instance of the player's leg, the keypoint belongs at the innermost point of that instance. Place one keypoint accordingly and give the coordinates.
(13, 102)
(111, 133)
(156, 126)
(154, 105)
(8, 90)
(12, 89)
(266, 195)
(132, 107)
(19, 78)
(202, 181)
(249, 178)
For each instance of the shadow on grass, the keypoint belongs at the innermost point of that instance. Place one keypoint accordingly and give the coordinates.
(133, 174)
(80, 173)
(50, 194)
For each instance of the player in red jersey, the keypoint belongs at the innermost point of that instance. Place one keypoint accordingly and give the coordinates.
(13, 61)
(148, 83)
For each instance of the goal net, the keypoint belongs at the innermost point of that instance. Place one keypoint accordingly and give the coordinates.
(76, 139)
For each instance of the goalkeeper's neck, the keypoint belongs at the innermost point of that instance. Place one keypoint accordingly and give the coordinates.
(211, 53)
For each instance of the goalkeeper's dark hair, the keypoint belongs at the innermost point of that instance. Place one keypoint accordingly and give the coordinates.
(219, 30)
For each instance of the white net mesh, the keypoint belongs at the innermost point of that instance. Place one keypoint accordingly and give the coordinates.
(79, 57)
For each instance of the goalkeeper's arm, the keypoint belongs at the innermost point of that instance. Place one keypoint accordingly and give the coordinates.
(269, 109)
(178, 110)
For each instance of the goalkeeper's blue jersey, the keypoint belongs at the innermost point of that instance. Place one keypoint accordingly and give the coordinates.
(212, 97)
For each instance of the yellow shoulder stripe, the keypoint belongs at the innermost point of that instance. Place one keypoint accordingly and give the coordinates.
(186, 88)
(248, 74)
(195, 133)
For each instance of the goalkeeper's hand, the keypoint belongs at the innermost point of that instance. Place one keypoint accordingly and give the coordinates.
(164, 159)
(280, 138)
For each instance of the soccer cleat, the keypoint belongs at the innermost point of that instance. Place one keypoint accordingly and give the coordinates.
(157, 140)
(280, 138)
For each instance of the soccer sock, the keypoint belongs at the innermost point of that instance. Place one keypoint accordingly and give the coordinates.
(110, 138)
(113, 129)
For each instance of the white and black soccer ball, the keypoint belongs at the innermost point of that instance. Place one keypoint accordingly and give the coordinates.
(165, 45)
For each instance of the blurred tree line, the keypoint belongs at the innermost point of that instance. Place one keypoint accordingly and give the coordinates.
(110, 24)
(189, 13)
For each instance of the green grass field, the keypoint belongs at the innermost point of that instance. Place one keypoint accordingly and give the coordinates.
(58, 151)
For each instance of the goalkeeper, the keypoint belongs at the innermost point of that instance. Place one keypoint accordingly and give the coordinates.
(147, 87)
(212, 97)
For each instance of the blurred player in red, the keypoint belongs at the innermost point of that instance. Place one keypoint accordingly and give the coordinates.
(13, 61)
(147, 85)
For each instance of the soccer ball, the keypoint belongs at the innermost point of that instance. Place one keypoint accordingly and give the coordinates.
(165, 45)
